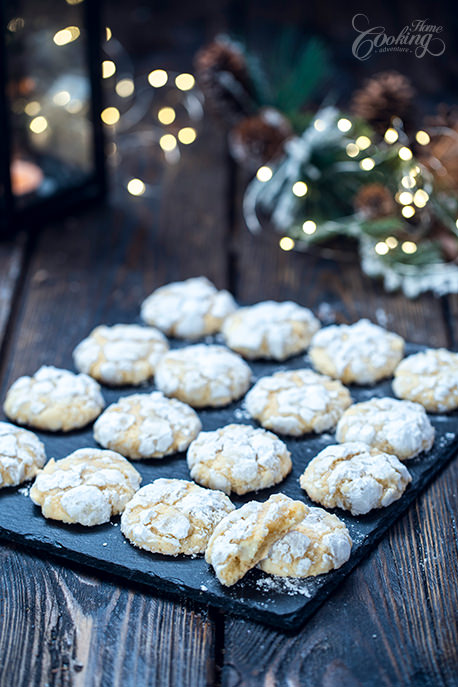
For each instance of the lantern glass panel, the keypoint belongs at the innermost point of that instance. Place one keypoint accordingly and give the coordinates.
(49, 99)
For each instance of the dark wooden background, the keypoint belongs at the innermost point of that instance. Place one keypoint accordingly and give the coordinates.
(393, 622)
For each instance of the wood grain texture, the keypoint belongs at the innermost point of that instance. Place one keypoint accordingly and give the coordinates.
(61, 627)
(11, 259)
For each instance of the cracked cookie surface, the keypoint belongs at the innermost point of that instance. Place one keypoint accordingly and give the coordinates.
(203, 375)
(270, 330)
(87, 487)
(245, 536)
(147, 426)
(238, 458)
(188, 309)
(121, 354)
(360, 353)
(355, 477)
(173, 516)
(54, 400)
(398, 427)
(297, 402)
(430, 378)
(22, 454)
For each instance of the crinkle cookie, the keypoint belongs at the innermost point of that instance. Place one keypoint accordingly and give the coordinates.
(398, 427)
(361, 353)
(270, 330)
(297, 402)
(122, 354)
(54, 400)
(21, 455)
(147, 426)
(316, 545)
(245, 536)
(430, 378)
(87, 487)
(238, 458)
(188, 309)
(203, 375)
(355, 477)
(173, 516)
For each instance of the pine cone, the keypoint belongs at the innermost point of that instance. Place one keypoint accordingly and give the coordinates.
(259, 139)
(223, 77)
(375, 201)
(383, 97)
(440, 156)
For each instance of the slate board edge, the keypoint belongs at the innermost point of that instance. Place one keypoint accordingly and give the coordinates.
(292, 621)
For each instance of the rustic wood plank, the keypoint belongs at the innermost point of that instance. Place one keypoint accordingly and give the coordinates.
(11, 260)
(391, 622)
(63, 627)
(451, 313)
(88, 270)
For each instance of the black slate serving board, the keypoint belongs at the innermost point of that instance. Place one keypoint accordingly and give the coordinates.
(283, 603)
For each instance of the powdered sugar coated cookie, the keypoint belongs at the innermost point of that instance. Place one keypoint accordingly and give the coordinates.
(147, 426)
(270, 330)
(430, 378)
(317, 544)
(189, 309)
(297, 402)
(122, 354)
(238, 458)
(21, 455)
(87, 487)
(173, 516)
(54, 400)
(361, 353)
(355, 477)
(398, 427)
(203, 375)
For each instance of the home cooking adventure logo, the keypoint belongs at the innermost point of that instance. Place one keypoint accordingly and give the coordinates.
(419, 37)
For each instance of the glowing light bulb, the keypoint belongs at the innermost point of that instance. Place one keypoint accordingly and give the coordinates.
(352, 150)
(404, 198)
(67, 35)
(367, 164)
(344, 124)
(422, 137)
(319, 125)
(264, 173)
(136, 187)
(108, 69)
(391, 135)
(405, 153)
(110, 115)
(420, 198)
(166, 115)
(408, 211)
(309, 227)
(381, 248)
(124, 88)
(300, 189)
(168, 142)
(409, 247)
(363, 142)
(187, 135)
(108, 33)
(61, 98)
(391, 242)
(185, 82)
(158, 78)
(408, 182)
(38, 125)
(286, 243)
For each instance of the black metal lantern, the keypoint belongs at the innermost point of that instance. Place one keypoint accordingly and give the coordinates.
(51, 136)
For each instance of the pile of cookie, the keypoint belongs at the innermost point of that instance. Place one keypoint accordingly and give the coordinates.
(284, 537)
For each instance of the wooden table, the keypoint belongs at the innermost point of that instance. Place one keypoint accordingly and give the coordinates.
(393, 622)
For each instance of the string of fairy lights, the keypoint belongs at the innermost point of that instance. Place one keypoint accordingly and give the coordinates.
(411, 195)
(124, 87)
